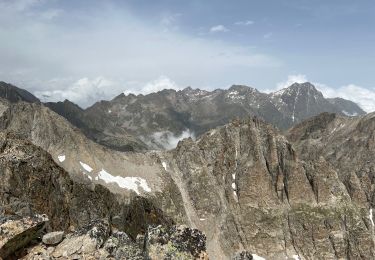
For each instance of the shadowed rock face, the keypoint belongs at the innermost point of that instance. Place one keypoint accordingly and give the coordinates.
(14, 94)
(31, 183)
(245, 187)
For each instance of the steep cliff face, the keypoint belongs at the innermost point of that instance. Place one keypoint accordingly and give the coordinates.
(113, 136)
(348, 144)
(245, 187)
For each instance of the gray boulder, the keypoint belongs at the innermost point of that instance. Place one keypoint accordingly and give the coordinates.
(53, 238)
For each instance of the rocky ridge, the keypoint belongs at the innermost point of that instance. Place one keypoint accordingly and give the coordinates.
(158, 119)
(245, 187)
(97, 223)
(249, 189)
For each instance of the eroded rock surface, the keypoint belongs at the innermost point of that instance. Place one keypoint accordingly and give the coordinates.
(245, 187)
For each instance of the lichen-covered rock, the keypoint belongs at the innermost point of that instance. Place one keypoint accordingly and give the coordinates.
(97, 241)
(244, 255)
(178, 242)
(16, 234)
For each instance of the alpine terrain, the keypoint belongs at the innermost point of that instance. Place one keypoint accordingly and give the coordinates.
(284, 175)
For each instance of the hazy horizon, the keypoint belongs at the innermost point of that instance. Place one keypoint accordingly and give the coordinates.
(86, 52)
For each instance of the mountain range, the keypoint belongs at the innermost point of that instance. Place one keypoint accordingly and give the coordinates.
(285, 175)
(158, 120)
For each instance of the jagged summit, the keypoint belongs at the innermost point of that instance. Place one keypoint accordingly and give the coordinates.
(155, 121)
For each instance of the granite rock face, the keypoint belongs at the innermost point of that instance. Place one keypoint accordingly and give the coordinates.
(347, 144)
(246, 188)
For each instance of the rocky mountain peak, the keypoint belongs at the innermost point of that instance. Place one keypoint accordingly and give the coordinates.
(15, 94)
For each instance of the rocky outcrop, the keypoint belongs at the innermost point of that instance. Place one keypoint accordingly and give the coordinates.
(347, 144)
(32, 183)
(245, 187)
(16, 233)
(98, 240)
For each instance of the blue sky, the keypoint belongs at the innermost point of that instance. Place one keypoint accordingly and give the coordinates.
(90, 50)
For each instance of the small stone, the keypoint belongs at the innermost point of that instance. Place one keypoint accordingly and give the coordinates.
(53, 238)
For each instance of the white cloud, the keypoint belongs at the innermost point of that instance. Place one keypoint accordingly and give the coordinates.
(267, 35)
(18, 5)
(159, 84)
(51, 14)
(84, 91)
(115, 45)
(299, 78)
(246, 23)
(364, 97)
(219, 28)
(167, 139)
(169, 22)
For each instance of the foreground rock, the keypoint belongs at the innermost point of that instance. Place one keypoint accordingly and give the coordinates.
(97, 241)
(17, 233)
(97, 223)
(53, 238)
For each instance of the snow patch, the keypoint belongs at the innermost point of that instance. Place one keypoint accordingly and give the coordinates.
(349, 114)
(233, 176)
(86, 166)
(61, 157)
(257, 257)
(371, 218)
(233, 185)
(235, 95)
(130, 183)
(89, 177)
(295, 257)
(202, 219)
(164, 165)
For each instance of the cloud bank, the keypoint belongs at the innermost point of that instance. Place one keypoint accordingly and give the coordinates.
(100, 51)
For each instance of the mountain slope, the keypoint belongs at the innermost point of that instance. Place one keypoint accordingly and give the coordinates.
(245, 187)
(117, 138)
(128, 174)
(348, 144)
(242, 184)
(163, 117)
(97, 223)
(301, 101)
(14, 94)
